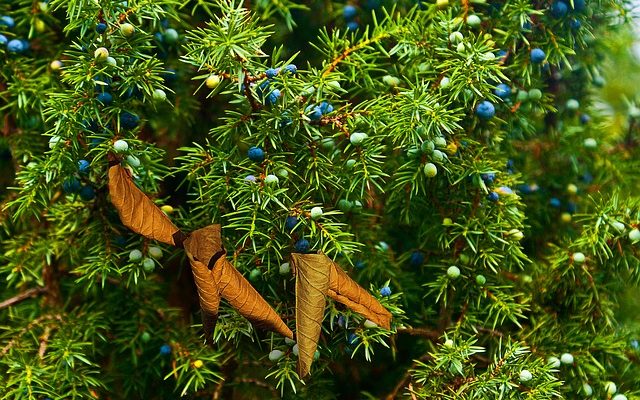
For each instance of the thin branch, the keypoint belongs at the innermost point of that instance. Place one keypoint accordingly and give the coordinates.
(43, 342)
(27, 294)
(347, 52)
(425, 332)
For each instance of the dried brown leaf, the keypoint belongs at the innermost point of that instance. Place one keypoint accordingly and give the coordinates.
(209, 296)
(345, 290)
(312, 283)
(137, 211)
(205, 244)
(243, 297)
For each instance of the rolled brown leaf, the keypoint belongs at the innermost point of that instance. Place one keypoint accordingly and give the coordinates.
(137, 211)
(209, 296)
(205, 244)
(312, 283)
(243, 297)
(343, 289)
(318, 276)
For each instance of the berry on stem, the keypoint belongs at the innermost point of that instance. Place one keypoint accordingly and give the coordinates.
(503, 91)
(165, 349)
(212, 81)
(357, 138)
(256, 154)
(316, 213)
(385, 291)
(127, 29)
(430, 170)
(159, 95)
(83, 166)
(291, 222)
(525, 376)
(148, 264)
(120, 146)
(170, 36)
(271, 180)
(567, 359)
(349, 12)
(275, 355)
(155, 251)
(485, 110)
(135, 255)
(453, 272)
(87, 193)
(101, 54)
(537, 56)
(578, 258)
(302, 246)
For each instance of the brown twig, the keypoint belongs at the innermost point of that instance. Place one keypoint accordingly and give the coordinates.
(27, 294)
(425, 332)
(26, 329)
(43, 342)
(347, 52)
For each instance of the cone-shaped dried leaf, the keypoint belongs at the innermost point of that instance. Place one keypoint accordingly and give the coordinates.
(312, 284)
(243, 297)
(344, 290)
(205, 244)
(208, 293)
(137, 211)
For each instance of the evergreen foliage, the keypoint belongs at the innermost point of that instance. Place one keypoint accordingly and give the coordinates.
(458, 158)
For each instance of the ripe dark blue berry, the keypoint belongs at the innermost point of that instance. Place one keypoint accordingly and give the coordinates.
(87, 193)
(314, 112)
(325, 107)
(171, 36)
(493, 196)
(83, 166)
(537, 56)
(579, 5)
(485, 110)
(71, 185)
(416, 259)
(302, 246)
(585, 118)
(385, 291)
(488, 177)
(555, 202)
(271, 73)
(575, 24)
(291, 222)
(272, 98)
(128, 120)
(572, 207)
(360, 264)
(101, 27)
(352, 338)
(3, 40)
(349, 12)
(15, 46)
(559, 9)
(256, 154)
(291, 68)
(105, 98)
(7, 21)
(503, 91)
(165, 349)
(352, 26)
